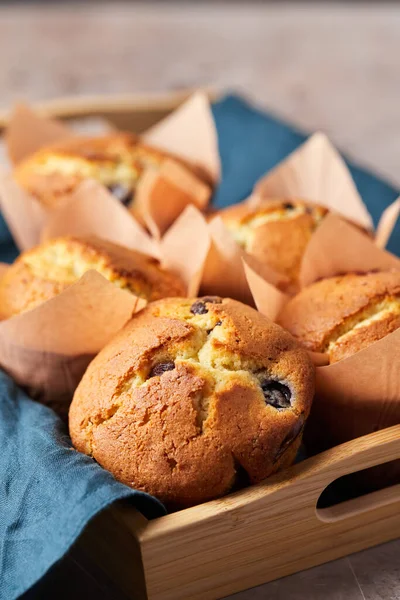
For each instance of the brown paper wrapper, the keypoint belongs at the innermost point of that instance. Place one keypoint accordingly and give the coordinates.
(92, 210)
(209, 260)
(189, 132)
(355, 397)
(185, 247)
(163, 194)
(27, 132)
(337, 247)
(224, 273)
(24, 216)
(386, 224)
(315, 171)
(47, 349)
(268, 299)
(360, 394)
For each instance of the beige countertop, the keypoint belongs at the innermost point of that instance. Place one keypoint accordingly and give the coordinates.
(334, 67)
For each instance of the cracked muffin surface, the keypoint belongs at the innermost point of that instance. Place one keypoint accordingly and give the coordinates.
(117, 161)
(343, 315)
(193, 398)
(45, 271)
(276, 232)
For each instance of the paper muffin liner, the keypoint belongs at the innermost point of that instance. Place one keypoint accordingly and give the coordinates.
(163, 194)
(360, 394)
(27, 132)
(188, 133)
(316, 172)
(337, 247)
(47, 349)
(209, 260)
(93, 210)
(24, 215)
(386, 223)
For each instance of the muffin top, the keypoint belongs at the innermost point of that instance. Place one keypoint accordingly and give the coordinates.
(276, 232)
(117, 161)
(46, 270)
(343, 315)
(193, 396)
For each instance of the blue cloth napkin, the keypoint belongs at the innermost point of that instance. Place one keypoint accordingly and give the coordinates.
(49, 492)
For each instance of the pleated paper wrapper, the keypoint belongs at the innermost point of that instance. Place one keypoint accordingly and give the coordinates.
(47, 349)
(360, 394)
(189, 133)
(205, 255)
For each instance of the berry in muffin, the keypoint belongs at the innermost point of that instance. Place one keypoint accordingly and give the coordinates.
(192, 398)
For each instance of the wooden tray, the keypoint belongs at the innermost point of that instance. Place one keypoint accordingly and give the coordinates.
(252, 536)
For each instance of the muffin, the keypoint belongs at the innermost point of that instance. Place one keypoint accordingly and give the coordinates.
(193, 398)
(342, 315)
(117, 161)
(48, 269)
(276, 233)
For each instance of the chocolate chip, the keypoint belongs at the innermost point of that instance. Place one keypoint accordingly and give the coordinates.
(276, 394)
(288, 206)
(161, 368)
(290, 437)
(309, 210)
(199, 307)
(121, 192)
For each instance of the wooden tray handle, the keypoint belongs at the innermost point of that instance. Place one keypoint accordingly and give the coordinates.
(125, 111)
(356, 455)
(359, 454)
(303, 484)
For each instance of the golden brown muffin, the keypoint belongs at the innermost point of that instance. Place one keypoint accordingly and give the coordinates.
(276, 233)
(193, 397)
(117, 161)
(342, 315)
(48, 269)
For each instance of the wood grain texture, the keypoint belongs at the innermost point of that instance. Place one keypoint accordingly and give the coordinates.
(258, 534)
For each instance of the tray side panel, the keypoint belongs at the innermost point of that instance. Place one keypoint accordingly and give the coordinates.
(251, 547)
(271, 530)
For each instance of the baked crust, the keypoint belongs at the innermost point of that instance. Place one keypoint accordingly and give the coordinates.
(187, 402)
(117, 161)
(276, 233)
(343, 315)
(46, 270)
